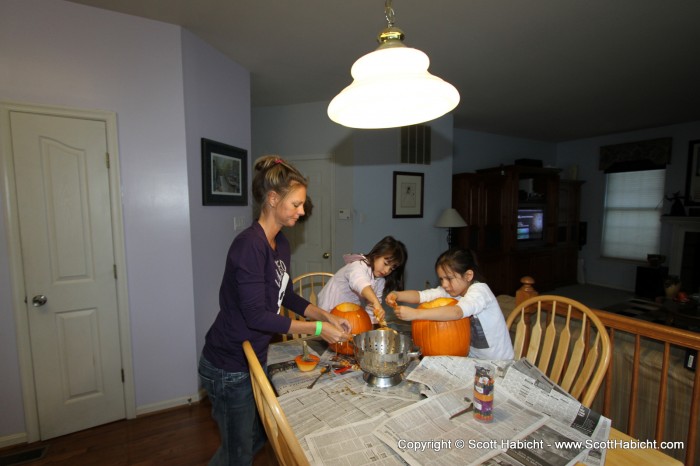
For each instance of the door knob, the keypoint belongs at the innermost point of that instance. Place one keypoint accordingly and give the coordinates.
(326, 255)
(39, 300)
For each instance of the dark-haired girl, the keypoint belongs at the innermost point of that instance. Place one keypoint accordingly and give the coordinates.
(365, 277)
(458, 273)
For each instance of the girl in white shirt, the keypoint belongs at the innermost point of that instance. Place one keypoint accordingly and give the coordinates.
(457, 271)
(364, 278)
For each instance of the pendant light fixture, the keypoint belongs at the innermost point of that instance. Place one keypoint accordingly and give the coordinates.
(392, 86)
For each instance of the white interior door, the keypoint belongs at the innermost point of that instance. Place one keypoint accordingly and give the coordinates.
(63, 198)
(311, 239)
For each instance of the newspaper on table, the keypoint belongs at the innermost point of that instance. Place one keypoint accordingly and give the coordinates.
(526, 382)
(354, 444)
(536, 422)
(340, 404)
(531, 387)
(283, 371)
(442, 374)
(423, 432)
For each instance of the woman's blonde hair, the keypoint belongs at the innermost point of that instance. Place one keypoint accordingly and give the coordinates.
(272, 173)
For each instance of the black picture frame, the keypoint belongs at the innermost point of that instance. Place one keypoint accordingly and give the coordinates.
(692, 177)
(224, 174)
(407, 199)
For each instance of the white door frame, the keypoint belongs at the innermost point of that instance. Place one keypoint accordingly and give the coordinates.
(17, 269)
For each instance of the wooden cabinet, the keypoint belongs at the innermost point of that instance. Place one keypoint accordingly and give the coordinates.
(521, 221)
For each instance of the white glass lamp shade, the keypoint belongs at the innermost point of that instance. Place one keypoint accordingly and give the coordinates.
(450, 218)
(392, 87)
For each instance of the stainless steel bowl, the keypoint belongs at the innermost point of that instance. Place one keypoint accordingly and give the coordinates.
(384, 356)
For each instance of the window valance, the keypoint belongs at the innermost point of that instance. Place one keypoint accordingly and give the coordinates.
(652, 154)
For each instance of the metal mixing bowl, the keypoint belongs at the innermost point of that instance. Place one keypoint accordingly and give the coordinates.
(384, 356)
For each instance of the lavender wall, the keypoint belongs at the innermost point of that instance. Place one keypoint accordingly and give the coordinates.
(217, 106)
(63, 54)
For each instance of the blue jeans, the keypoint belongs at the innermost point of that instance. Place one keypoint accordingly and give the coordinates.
(233, 409)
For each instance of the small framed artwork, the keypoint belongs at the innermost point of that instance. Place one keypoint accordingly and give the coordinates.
(408, 195)
(692, 180)
(224, 174)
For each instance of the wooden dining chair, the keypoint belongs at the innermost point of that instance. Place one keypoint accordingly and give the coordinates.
(283, 440)
(565, 340)
(308, 286)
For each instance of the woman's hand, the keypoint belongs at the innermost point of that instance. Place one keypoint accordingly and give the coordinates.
(340, 322)
(334, 332)
(391, 299)
(406, 313)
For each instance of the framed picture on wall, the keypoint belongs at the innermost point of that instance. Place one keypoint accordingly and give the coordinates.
(692, 180)
(224, 174)
(408, 195)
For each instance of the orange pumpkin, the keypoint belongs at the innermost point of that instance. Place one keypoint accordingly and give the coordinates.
(306, 366)
(359, 323)
(450, 338)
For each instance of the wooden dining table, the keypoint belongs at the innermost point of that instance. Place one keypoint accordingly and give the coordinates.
(618, 454)
(635, 456)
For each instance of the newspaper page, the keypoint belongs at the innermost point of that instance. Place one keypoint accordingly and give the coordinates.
(534, 389)
(442, 374)
(354, 445)
(286, 376)
(340, 403)
(548, 445)
(423, 432)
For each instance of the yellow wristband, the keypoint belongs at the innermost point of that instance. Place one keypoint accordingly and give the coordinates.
(319, 327)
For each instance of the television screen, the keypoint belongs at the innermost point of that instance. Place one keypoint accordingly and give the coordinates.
(530, 224)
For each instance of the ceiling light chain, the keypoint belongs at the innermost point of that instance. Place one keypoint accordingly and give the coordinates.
(389, 13)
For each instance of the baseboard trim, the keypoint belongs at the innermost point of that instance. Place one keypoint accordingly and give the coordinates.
(20, 438)
(168, 404)
(14, 439)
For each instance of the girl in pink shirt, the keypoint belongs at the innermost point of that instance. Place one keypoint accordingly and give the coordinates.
(365, 277)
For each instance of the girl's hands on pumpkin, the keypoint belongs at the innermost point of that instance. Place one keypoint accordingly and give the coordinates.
(391, 299)
(406, 313)
(379, 312)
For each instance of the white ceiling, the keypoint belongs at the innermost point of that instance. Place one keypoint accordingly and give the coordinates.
(551, 70)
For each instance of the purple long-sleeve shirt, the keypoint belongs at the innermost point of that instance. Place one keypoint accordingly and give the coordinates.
(256, 283)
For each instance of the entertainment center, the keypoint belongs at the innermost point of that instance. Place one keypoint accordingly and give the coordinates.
(522, 220)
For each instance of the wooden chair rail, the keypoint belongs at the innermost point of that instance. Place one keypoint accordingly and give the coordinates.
(639, 329)
(667, 336)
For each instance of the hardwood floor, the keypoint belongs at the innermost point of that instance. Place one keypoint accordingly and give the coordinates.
(185, 436)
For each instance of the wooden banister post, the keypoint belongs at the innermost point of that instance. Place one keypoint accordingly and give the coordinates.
(526, 291)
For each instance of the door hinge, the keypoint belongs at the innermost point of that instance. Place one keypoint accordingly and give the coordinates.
(115, 271)
(122, 375)
(107, 160)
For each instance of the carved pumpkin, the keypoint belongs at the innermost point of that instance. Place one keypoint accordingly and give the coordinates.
(359, 323)
(450, 338)
(306, 366)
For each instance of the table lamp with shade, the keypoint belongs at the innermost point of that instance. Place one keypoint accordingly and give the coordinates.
(450, 219)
